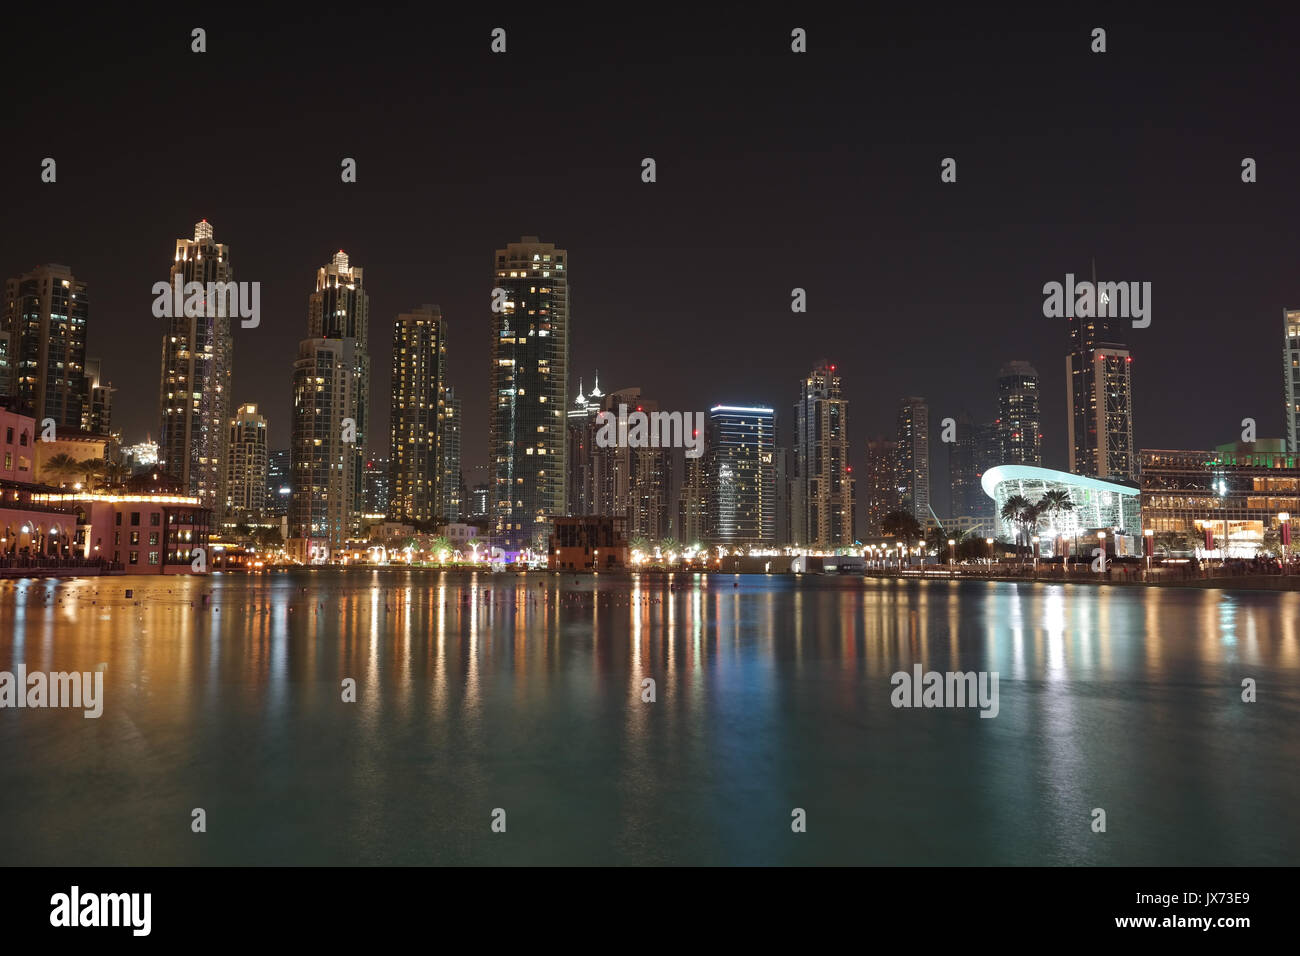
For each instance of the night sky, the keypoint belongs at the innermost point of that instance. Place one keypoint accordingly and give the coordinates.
(775, 170)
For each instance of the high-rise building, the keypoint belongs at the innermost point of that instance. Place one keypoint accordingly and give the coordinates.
(340, 309)
(45, 317)
(883, 495)
(6, 362)
(914, 458)
(415, 464)
(246, 468)
(374, 487)
(331, 414)
(97, 403)
(1099, 399)
(324, 502)
(977, 448)
(741, 475)
(279, 489)
(693, 502)
(824, 514)
(527, 425)
(479, 497)
(630, 483)
(197, 361)
(453, 483)
(580, 425)
(1291, 377)
(1019, 419)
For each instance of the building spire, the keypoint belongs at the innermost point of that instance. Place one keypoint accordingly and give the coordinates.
(595, 391)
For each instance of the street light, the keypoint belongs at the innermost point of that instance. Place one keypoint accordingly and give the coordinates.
(1150, 535)
(1284, 529)
(989, 542)
(951, 556)
(1035, 539)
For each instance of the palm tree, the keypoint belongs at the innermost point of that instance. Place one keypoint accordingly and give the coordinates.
(1054, 503)
(1013, 510)
(902, 525)
(61, 466)
(92, 469)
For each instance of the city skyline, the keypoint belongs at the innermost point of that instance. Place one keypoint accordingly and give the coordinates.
(941, 289)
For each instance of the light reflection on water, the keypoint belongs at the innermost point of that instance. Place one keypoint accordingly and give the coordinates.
(478, 691)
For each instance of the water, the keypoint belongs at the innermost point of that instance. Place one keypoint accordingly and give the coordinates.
(771, 695)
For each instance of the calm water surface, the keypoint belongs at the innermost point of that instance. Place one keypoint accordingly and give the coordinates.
(523, 692)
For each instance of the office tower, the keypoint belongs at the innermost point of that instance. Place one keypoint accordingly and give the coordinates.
(825, 501)
(97, 402)
(742, 476)
(6, 363)
(416, 465)
(1291, 377)
(323, 510)
(340, 309)
(479, 500)
(1019, 420)
(580, 428)
(527, 422)
(278, 484)
(977, 449)
(374, 488)
(627, 482)
(453, 485)
(914, 458)
(693, 502)
(789, 497)
(197, 360)
(247, 462)
(1099, 401)
(45, 317)
(882, 484)
(964, 484)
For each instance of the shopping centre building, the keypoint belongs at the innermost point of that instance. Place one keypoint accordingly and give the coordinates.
(1098, 506)
(1240, 493)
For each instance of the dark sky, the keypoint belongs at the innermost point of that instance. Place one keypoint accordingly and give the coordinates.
(775, 170)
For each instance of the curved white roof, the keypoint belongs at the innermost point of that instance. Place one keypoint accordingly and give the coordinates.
(994, 476)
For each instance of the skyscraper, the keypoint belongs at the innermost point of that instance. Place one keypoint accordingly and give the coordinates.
(580, 425)
(374, 488)
(824, 512)
(340, 309)
(530, 359)
(331, 406)
(97, 402)
(882, 484)
(246, 468)
(1099, 399)
(415, 460)
(741, 476)
(914, 458)
(278, 488)
(1019, 419)
(324, 502)
(453, 484)
(627, 482)
(977, 449)
(197, 361)
(1291, 377)
(45, 317)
